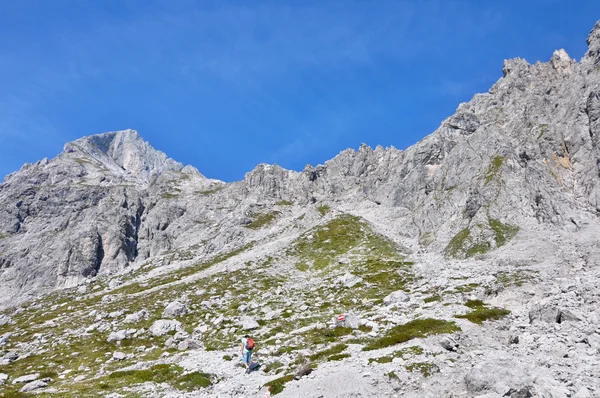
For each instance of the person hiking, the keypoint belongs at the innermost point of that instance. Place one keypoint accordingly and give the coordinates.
(247, 348)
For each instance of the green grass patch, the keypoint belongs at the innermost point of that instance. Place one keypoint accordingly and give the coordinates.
(417, 328)
(284, 203)
(277, 385)
(482, 313)
(272, 366)
(168, 195)
(262, 220)
(209, 192)
(502, 232)
(403, 353)
(323, 209)
(320, 247)
(163, 373)
(324, 336)
(457, 243)
(227, 358)
(338, 357)
(432, 299)
(493, 168)
(426, 368)
(336, 349)
(517, 278)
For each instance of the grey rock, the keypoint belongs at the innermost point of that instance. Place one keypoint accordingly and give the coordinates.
(10, 356)
(5, 320)
(544, 313)
(449, 343)
(248, 323)
(3, 378)
(349, 321)
(583, 392)
(119, 356)
(396, 298)
(348, 280)
(34, 385)
(117, 336)
(26, 378)
(136, 317)
(164, 326)
(175, 309)
(188, 344)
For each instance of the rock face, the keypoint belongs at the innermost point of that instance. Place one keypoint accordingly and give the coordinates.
(524, 153)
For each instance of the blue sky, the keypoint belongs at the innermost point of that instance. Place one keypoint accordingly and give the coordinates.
(227, 85)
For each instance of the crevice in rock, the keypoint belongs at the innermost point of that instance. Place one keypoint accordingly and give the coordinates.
(99, 258)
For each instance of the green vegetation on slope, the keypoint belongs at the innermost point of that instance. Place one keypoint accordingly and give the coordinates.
(482, 313)
(464, 244)
(493, 168)
(412, 330)
(262, 220)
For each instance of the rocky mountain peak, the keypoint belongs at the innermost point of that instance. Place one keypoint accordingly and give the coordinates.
(593, 42)
(123, 151)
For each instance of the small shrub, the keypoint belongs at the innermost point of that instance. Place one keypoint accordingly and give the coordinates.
(227, 357)
(284, 203)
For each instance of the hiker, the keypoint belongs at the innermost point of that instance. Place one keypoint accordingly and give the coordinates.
(247, 347)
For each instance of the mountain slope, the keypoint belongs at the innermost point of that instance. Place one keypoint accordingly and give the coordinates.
(498, 208)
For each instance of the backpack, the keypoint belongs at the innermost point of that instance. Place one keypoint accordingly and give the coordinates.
(249, 344)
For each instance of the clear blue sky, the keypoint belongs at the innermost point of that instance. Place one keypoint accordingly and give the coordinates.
(226, 85)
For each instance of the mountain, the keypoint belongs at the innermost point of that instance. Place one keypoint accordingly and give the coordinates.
(465, 265)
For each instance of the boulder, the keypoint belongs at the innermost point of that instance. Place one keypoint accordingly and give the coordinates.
(119, 356)
(9, 357)
(26, 379)
(136, 316)
(164, 326)
(117, 336)
(201, 329)
(272, 315)
(568, 316)
(396, 298)
(4, 339)
(500, 376)
(347, 321)
(544, 313)
(3, 378)
(449, 343)
(348, 280)
(175, 309)
(188, 344)
(5, 320)
(249, 323)
(34, 385)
